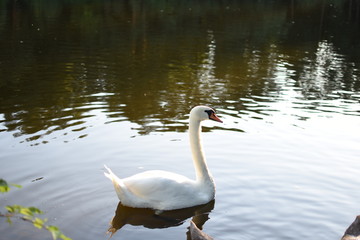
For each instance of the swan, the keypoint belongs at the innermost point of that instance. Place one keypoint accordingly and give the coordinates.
(162, 190)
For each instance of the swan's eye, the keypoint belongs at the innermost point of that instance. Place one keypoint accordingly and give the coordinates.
(209, 112)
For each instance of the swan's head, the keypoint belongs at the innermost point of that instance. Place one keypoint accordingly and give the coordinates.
(202, 113)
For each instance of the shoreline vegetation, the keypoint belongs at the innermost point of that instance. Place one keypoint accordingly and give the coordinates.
(28, 214)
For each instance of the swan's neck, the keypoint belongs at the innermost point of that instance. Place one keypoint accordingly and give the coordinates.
(202, 172)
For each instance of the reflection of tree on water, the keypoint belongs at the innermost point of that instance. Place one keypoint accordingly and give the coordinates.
(151, 219)
(154, 60)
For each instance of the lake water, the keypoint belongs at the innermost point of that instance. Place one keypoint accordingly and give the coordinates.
(88, 83)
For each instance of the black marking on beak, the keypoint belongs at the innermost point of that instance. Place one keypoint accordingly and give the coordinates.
(212, 115)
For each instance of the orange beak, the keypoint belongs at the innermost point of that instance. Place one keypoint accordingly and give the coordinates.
(215, 118)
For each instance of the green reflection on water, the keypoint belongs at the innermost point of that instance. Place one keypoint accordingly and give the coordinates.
(149, 62)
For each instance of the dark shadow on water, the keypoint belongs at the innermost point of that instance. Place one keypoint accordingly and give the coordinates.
(151, 219)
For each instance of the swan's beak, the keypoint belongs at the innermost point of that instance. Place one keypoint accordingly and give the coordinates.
(214, 117)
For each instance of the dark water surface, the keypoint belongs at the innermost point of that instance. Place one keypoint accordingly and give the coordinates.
(88, 83)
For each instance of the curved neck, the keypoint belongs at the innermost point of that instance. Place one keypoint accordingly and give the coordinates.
(202, 172)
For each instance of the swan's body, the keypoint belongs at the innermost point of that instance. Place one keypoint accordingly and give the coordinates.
(162, 190)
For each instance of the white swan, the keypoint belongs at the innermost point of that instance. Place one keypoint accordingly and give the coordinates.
(161, 190)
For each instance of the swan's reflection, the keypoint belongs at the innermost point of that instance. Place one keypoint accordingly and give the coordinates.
(151, 219)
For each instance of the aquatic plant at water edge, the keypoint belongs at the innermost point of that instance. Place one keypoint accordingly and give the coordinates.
(28, 214)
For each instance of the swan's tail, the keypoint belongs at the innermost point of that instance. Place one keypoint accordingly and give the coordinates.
(117, 182)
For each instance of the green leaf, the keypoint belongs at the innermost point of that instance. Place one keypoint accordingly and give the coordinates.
(39, 223)
(16, 185)
(4, 187)
(10, 209)
(8, 219)
(65, 237)
(13, 208)
(55, 232)
(29, 211)
(35, 210)
(28, 214)
(3, 182)
(25, 212)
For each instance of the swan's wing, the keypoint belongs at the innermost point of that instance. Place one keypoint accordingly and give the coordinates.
(159, 185)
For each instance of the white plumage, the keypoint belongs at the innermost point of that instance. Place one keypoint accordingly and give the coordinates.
(162, 190)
